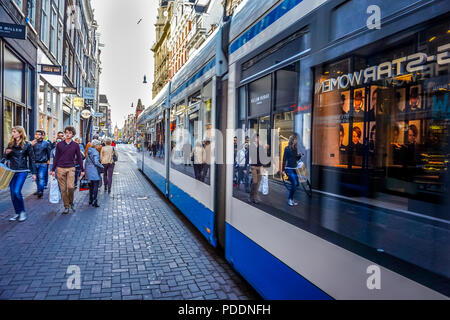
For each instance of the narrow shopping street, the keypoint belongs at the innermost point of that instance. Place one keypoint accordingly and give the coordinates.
(135, 246)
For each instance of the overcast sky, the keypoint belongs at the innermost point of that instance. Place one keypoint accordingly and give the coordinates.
(126, 57)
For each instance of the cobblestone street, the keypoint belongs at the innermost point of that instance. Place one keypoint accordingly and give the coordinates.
(135, 246)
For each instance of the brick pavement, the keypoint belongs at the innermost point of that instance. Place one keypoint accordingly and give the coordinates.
(127, 249)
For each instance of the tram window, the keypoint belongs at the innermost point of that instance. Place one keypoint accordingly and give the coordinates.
(286, 92)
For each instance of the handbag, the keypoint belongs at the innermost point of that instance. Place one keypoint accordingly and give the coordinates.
(6, 174)
(84, 184)
(115, 158)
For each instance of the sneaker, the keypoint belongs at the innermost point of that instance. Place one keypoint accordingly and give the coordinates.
(292, 203)
(66, 211)
(15, 218)
(72, 207)
(23, 216)
(36, 193)
(40, 195)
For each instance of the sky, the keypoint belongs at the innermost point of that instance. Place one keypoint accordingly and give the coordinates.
(126, 57)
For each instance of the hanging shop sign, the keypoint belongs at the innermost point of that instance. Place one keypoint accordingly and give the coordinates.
(16, 31)
(86, 114)
(78, 102)
(69, 90)
(418, 64)
(89, 93)
(49, 69)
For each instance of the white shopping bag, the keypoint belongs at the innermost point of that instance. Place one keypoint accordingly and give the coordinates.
(264, 186)
(55, 194)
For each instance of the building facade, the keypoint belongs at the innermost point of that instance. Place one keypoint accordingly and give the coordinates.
(17, 70)
(160, 49)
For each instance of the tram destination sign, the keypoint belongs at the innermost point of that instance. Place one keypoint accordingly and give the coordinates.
(16, 31)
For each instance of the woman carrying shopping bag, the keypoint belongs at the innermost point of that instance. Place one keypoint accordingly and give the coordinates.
(108, 157)
(20, 154)
(290, 162)
(93, 169)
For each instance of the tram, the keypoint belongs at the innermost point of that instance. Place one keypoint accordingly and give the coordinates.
(369, 110)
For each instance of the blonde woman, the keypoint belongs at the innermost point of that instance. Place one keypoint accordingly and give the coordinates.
(107, 159)
(21, 156)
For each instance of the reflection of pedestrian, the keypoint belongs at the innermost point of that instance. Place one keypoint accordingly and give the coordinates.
(207, 163)
(290, 163)
(242, 161)
(199, 159)
(256, 166)
(21, 156)
(343, 157)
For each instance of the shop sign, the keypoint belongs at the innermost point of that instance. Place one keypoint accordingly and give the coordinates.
(86, 114)
(89, 93)
(16, 31)
(419, 62)
(49, 69)
(98, 115)
(78, 102)
(95, 128)
(69, 90)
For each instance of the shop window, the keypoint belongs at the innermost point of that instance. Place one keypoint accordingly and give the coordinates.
(14, 76)
(383, 128)
(285, 97)
(8, 122)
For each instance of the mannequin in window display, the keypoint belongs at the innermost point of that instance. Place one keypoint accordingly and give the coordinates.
(414, 99)
(357, 146)
(343, 158)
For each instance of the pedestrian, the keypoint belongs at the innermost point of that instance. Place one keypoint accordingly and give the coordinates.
(92, 172)
(20, 154)
(291, 158)
(256, 168)
(41, 150)
(77, 166)
(67, 155)
(113, 143)
(60, 137)
(107, 159)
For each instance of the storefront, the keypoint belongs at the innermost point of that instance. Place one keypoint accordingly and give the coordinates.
(17, 92)
(381, 122)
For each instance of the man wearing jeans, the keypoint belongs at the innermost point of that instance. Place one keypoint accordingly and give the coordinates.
(66, 157)
(41, 150)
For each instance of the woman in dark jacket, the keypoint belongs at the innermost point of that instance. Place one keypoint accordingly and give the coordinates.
(290, 160)
(20, 154)
(92, 166)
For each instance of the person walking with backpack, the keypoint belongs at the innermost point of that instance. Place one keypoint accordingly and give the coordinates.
(108, 158)
(42, 150)
(67, 155)
(93, 172)
(20, 154)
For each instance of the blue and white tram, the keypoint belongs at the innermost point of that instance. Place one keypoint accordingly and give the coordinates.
(377, 225)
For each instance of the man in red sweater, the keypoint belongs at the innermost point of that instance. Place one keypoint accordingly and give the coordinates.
(66, 156)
